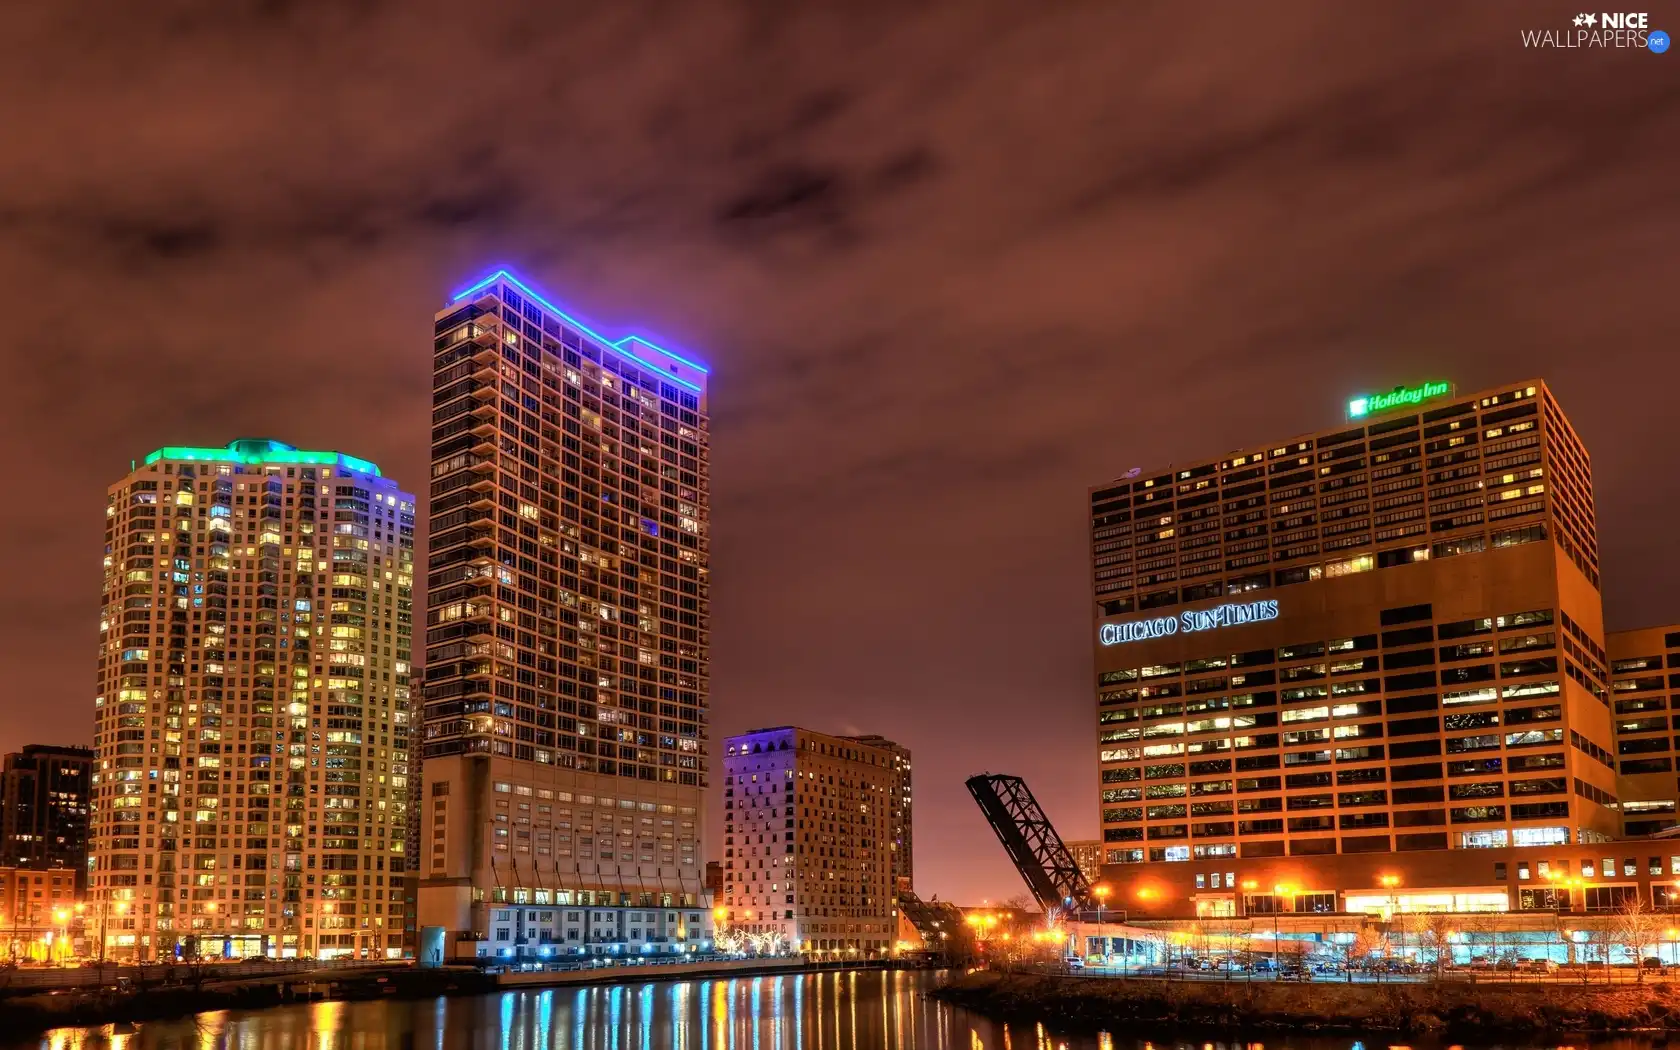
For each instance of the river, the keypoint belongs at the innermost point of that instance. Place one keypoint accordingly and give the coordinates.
(860, 1010)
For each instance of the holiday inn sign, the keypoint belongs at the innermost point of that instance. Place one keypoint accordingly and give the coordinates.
(1399, 397)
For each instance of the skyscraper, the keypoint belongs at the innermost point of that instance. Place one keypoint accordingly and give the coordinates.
(252, 723)
(44, 809)
(567, 634)
(807, 846)
(903, 814)
(1385, 637)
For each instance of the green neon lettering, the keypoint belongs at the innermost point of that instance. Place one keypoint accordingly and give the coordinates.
(1399, 397)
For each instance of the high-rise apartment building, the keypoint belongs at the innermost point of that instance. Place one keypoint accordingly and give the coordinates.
(1088, 855)
(250, 790)
(903, 814)
(1379, 645)
(567, 634)
(44, 809)
(807, 841)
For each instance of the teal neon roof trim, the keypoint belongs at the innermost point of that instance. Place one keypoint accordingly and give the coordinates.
(263, 452)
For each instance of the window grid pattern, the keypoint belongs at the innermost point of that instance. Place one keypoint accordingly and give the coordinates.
(1468, 476)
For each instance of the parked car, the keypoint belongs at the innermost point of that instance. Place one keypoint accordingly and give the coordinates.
(1651, 962)
(1539, 966)
(1075, 963)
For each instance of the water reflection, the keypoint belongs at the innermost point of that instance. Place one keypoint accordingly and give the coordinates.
(860, 1010)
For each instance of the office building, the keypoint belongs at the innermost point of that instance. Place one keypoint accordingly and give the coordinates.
(567, 635)
(1643, 684)
(1360, 659)
(807, 847)
(250, 789)
(903, 815)
(44, 810)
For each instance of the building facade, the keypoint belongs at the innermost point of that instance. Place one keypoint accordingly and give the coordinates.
(1357, 659)
(44, 810)
(1643, 684)
(807, 847)
(42, 915)
(567, 634)
(250, 789)
(1088, 854)
(903, 815)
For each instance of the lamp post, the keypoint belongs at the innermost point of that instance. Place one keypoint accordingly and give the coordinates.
(1392, 884)
(1278, 893)
(104, 908)
(1248, 887)
(1144, 894)
(61, 924)
(1569, 886)
(1101, 893)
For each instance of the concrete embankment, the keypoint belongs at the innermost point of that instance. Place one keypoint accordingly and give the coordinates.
(711, 969)
(224, 990)
(1094, 1003)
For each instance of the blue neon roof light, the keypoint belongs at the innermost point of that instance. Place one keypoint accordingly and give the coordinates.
(619, 346)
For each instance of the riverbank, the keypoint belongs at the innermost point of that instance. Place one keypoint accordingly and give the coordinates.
(709, 970)
(1094, 1003)
(222, 988)
(32, 1014)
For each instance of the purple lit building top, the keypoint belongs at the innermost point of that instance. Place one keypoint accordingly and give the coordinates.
(666, 365)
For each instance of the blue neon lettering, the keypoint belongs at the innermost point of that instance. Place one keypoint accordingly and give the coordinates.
(1231, 614)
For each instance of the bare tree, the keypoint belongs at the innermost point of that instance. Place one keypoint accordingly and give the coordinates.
(1636, 927)
(1435, 940)
(1226, 932)
(1365, 943)
(1599, 935)
(1564, 929)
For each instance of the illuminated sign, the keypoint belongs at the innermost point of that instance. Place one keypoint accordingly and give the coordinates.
(1399, 397)
(1228, 615)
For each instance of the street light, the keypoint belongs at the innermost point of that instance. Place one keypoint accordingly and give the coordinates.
(104, 907)
(1278, 893)
(61, 918)
(1101, 893)
(1392, 884)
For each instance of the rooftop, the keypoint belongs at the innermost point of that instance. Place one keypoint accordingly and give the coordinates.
(263, 452)
(626, 346)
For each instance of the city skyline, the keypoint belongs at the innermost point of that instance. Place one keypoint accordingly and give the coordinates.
(927, 348)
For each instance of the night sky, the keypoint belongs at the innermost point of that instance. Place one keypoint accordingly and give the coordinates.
(951, 265)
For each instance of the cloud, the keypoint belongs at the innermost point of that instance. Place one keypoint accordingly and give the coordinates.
(951, 265)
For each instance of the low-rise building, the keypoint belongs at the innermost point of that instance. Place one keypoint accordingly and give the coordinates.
(41, 914)
(807, 848)
(555, 924)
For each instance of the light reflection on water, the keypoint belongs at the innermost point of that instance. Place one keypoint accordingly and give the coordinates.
(858, 1010)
